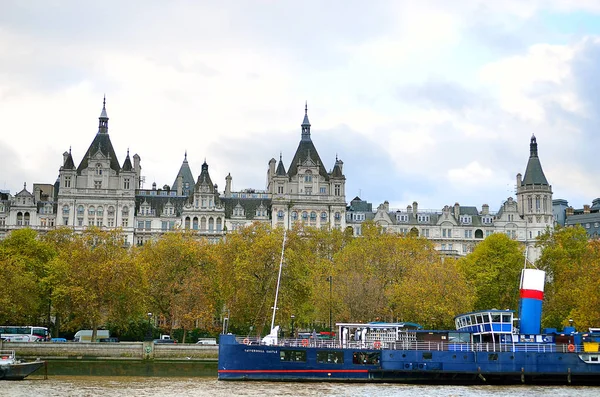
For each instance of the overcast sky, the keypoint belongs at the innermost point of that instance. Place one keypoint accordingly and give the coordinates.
(434, 103)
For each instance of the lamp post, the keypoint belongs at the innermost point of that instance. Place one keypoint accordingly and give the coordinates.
(149, 333)
(292, 317)
(330, 279)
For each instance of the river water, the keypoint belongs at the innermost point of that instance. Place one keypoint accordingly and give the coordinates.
(208, 386)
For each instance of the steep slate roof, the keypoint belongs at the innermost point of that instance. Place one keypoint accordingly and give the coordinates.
(337, 171)
(204, 177)
(534, 174)
(186, 174)
(158, 203)
(249, 204)
(306, 149)
(101, 143)
(280, 168)
(69, 163)
(127, 164)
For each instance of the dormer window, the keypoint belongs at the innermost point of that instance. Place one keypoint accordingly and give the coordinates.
(402, 217)
(98, 169)
(465, 219)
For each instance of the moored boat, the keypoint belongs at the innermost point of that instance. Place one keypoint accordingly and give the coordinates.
(13, 369)
(486, 347)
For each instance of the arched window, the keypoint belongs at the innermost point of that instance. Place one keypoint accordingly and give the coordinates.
(294, 215)
(280, 214)
(337, 216)
(308, 176)
(187, 222)
(80, 210)
(195, 223)
(211, 224)
(323, 215)
(92, 210)
(125, 211)
(203, 224)
(100, 211)
(219, 226)
(304, 215)
(111, 211)
(65, 210)
(313, 215)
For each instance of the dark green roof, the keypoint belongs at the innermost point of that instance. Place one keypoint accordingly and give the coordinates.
(187, 176)
(307, 149)
(127, 164)
(102, 144)
(69, 163)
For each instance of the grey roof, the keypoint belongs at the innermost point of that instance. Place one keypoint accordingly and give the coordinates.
(534, 174)
(280, 168)
(127, 164)
(204, 177)
(102, 144)
(186, 174)
(158, 202)
(306, 149)
(249, 204)
(469, 211)
(337, 171)
(69, 163)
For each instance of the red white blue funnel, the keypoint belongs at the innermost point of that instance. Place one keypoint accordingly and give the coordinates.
(532, 296)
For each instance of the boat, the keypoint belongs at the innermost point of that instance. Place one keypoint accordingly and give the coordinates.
(487, 347)
(13, 369)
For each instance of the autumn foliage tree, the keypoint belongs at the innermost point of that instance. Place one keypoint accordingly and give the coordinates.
(95, 281)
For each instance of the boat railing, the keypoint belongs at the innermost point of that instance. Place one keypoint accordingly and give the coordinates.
(420, 345)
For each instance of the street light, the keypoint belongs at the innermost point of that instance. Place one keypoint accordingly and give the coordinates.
(149, 333)
(330, 279)
(292, 317)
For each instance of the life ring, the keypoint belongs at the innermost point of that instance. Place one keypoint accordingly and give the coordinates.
(304, 342)
(246, 341)
(377, 344)
(571, 347)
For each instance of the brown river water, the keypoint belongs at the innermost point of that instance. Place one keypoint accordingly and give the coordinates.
(207, 386)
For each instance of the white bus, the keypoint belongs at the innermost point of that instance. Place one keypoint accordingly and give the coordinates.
(14, 333)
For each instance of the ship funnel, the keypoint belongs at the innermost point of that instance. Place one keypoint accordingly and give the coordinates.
(532, 295)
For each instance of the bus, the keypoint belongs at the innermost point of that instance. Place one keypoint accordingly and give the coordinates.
(13, 333)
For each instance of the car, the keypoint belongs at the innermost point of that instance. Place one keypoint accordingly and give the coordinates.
(164, 341)
(207, 341)
(58, 340)
(109, 340)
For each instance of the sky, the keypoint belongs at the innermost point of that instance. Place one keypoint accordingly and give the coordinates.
(432, 101)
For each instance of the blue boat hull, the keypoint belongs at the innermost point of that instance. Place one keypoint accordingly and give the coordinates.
(258, 362)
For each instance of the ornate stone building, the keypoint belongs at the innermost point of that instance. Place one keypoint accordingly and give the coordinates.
(456, 229)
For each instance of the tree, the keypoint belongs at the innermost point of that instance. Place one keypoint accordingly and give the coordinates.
(572, 265)
(23, 259)
(178, 272)
(493, 271)
(432, 293)
(95, 280)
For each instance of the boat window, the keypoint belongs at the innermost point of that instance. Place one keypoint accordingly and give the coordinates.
(330, 357)
(507, 318)
(594, 358)
(366, 358)
(493, 357)
(473, 320)
(427, 356)
(293, 355)
(495, 318)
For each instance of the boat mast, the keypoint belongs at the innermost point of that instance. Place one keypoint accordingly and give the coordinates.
(278, 281)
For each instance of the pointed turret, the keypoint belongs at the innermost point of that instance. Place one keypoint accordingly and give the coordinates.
(204, 178)
(306, 152)
(102, 144)
(68, 164)
(184, 177)
(305, 124)
(127, 164)
(280, 167)
(534, 174)
(103, 119)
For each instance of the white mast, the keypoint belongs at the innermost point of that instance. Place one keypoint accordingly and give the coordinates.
(278, 281)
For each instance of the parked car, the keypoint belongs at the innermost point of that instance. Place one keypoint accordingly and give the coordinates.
(58, 340)
(207, 341)
(112, 339)
(164, 341)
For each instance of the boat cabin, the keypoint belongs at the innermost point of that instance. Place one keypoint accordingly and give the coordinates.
(487, 326)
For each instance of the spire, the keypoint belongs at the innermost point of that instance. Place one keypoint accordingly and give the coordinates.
(185, 157)
(534, 175)
(306, 124)
(103, 119)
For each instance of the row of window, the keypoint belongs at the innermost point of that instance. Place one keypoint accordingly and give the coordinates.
(331, 357)
(97, 183)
